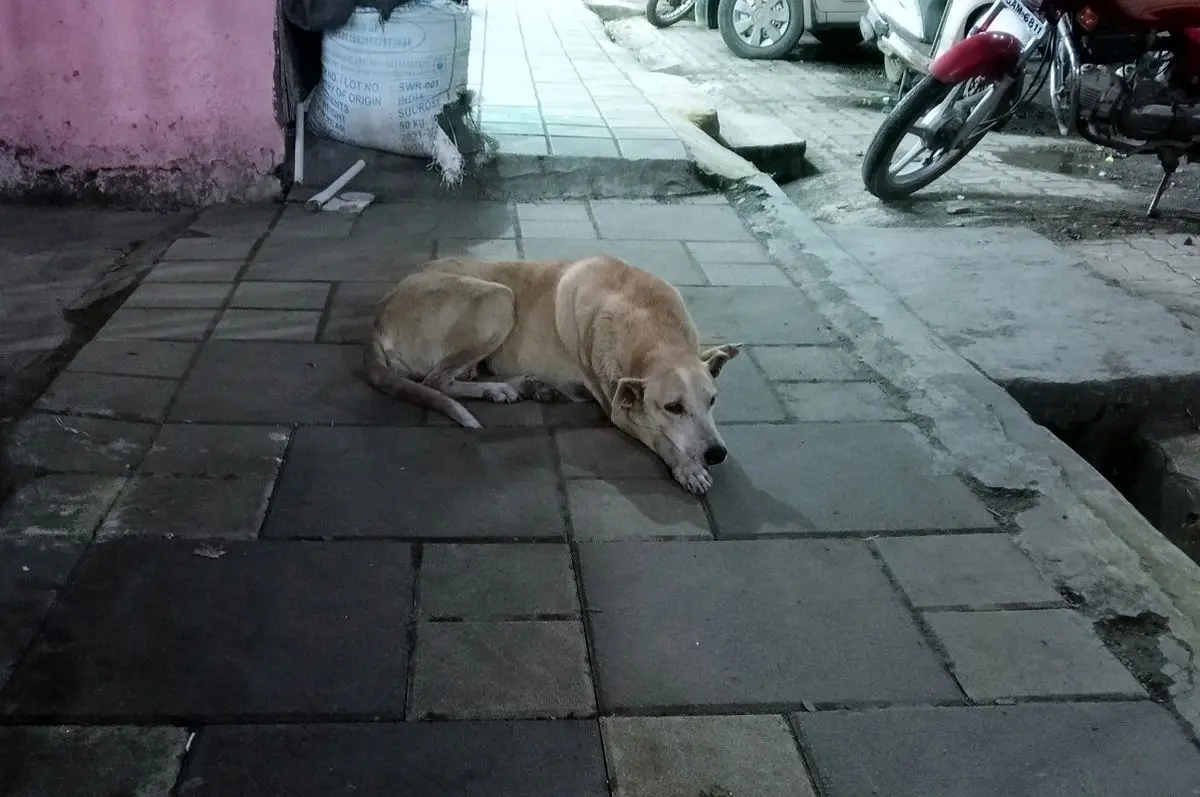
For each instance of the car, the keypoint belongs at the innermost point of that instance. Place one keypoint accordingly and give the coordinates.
(770, 29)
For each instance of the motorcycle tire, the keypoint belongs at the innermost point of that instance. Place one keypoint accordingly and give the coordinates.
(676, 14)
(743, 49)
(917, 102)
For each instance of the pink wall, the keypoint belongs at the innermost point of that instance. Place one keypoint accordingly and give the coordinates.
(179, 94)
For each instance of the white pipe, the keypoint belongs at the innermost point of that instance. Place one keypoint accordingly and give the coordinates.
(320, 199)
(298, 156)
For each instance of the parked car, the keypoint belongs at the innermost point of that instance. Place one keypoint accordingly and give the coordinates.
(770, 29)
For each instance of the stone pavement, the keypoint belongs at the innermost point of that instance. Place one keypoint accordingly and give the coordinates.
(232, 568)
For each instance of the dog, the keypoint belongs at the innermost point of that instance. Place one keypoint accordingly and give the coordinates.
(592, 329)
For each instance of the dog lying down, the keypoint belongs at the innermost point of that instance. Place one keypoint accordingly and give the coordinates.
(587, 329)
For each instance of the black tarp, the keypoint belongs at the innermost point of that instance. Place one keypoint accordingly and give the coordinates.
(329, 14)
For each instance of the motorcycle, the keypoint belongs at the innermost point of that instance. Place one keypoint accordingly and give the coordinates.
(911, 33)
(665, 13)
(1123, 74)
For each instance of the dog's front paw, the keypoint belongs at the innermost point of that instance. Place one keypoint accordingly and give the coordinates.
(502, 393)
(694, 478)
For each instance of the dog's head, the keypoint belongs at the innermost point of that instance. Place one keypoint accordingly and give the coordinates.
(670, 409)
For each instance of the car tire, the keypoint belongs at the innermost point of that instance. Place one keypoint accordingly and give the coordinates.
(786, 42)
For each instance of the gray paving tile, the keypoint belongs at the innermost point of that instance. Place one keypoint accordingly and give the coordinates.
(493, 112)
(273, 382)
(160, 358)
(190, 507)
(647, 133)
(606, 453)
(179, 294)
(373, 256)
(743, 395)
(1039, 750)
(91, 761)
(58, 505)
(690, 624)
(195, 271)
(355, 481)
(431, 759)
(157, 324)
(725, 254)
(652, 149)
(503, 581)
(33, 569)
(835, 477)
(186, 449)
(210, 248)
(62, 443)
(585, 117)
(632, 509)
(490, 414)
(281, 295)
(264, 609)
(352, 311)
(839, 401)
(1036, 653)
(508, 670)
(574, 415)
(530, 128)
(808, 363)
(583, 147)
(573, 230)
(688, 756)
(523, 145)
(297, 325)
(664, 259)
(551, 211)
(746, 275)
(436, 219)
(296, 222)
(577, 131)
(756, 315)
(140, 397)
(495, 249)
(623, 219)
(974, 570)
(236, 220)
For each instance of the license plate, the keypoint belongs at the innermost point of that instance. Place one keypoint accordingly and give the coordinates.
(1019, 20)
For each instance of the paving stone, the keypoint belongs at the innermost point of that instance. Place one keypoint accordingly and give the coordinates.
(666, 260)
(140, 397)
(448, 759)
(504, 670)
(210, 248)
(185, 449)
(494, 249)
(96, 445)
(359, 481)
(275, 382)
(704, 756)
(32, 571)
(635, 220)
(370, 258)
(808, 364)
(755, 315)
(90, 761)
(838, 401)
(490, 414)
(157, 324)
(1037, 653)
(758, 623)
(523, 145)
(571, 230)
(160, 358)
(352, 311)
(575, 414)
(195, 271)
(964, 570)
(577, 131)
(836, 477)
(59, 505)
(487, 582)
(296, 222)
(607, 453)
(1040, 750)
(437, 219)
(651, 149)
(190, 507)
(236, 219)
(552, 211)
(744, 394)
(281, 295)
(178, 294)
(298, 325)
(724, 254)
(631, 509)
(132, 639)
(747, 275)
(583, 147)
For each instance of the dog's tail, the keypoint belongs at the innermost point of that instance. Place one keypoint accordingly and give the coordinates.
(387, 380)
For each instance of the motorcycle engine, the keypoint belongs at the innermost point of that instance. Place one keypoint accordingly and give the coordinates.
(1137, 100)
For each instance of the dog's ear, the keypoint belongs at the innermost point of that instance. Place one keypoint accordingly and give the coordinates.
(716, 357)
(629, 392)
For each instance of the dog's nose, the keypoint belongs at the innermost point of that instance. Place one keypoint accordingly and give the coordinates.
(715, 455)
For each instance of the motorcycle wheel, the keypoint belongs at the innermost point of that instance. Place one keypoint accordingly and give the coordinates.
(760, 29)
(888, 183)
(675, 11)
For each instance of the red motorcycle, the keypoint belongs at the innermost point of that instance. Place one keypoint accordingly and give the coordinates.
(1124, 74)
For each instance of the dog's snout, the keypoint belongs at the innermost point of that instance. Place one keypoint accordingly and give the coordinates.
(715, 455)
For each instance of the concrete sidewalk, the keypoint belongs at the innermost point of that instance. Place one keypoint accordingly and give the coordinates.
(232, 568)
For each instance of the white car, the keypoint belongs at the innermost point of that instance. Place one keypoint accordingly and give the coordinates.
(770, 29)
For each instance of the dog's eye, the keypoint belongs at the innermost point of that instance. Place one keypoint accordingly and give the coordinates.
(675, 408)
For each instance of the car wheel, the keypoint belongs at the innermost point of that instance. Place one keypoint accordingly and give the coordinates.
(760, 29)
